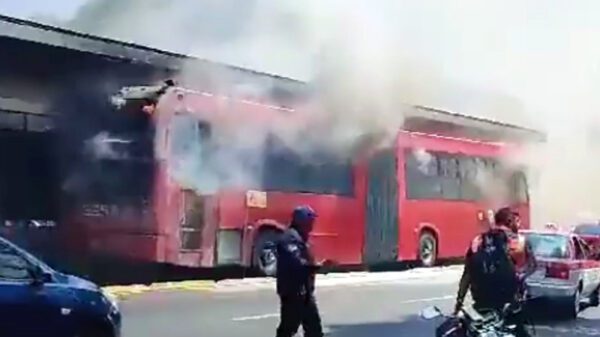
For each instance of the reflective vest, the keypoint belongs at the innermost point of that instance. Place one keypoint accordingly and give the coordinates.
(517, 250)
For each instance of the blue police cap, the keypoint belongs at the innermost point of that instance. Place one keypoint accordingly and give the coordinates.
(303, 213)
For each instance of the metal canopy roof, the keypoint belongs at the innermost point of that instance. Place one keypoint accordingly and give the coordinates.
(423, 119)
(431, 120)
(60, 37)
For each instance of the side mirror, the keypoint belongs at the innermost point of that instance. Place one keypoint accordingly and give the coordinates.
(39, 276)
(430, 313)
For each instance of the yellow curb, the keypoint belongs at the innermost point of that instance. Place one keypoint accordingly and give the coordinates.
(124, 292)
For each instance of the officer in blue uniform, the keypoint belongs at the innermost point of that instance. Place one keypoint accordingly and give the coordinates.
(296, 269)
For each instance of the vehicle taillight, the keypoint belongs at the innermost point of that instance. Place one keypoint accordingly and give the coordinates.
(558, 271)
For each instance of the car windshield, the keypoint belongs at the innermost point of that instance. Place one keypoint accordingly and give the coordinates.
(29, 256)
(588, 229)
(549, 245)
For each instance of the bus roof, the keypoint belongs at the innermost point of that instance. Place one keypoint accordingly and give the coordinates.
(419, 119)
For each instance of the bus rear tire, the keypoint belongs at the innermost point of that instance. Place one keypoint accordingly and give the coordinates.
(264, 255)
(427, 253)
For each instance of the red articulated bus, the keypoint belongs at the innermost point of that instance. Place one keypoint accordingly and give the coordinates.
(418, 200)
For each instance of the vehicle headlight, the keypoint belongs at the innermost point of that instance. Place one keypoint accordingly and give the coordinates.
(111, 299)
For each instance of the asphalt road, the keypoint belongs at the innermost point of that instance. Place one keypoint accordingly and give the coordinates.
(348, 311)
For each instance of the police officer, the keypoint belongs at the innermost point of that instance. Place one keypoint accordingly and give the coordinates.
(296, 269)
(493, 270)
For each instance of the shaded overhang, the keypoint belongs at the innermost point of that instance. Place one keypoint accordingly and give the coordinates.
(446, 123)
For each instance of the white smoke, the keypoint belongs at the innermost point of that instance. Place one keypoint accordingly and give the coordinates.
(105, 146)
(508, 60)
(425, 160)
(207, 164)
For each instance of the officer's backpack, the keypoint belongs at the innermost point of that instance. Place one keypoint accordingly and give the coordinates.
(492, 268)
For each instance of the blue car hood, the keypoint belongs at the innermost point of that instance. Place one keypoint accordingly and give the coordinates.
(76, 282)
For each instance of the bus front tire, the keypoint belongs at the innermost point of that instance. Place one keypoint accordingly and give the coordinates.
(427, 249)
(264, 257)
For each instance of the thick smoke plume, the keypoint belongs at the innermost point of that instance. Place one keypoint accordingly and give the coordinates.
(358, 93)
(367, 60)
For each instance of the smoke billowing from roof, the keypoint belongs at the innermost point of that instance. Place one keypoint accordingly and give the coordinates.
(368, 58)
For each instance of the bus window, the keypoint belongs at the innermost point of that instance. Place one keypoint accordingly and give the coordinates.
(321, 173)
(519, 188)
(190, 140)
(110, 175)
(185, 136)
(422, 176)
(449, 175)
(427, 163)
(468, 178)
(481, 169)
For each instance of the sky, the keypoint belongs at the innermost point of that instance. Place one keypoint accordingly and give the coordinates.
(63, 9)
(528, 62)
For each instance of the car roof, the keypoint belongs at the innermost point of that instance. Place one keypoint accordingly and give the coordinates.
(547, 232)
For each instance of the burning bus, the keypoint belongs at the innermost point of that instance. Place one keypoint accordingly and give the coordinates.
(148, 199)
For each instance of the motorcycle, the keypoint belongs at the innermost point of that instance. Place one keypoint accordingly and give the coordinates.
(472, 323)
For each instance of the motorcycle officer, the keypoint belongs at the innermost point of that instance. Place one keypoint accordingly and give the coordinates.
(491, 269)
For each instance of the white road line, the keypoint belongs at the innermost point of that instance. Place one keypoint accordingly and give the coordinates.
(253, 318)
(274, 315)
(431, 299)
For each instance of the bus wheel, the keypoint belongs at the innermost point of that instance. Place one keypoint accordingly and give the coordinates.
(427, 250)
(265, 255)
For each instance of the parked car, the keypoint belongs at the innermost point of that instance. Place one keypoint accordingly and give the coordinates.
(567, 272)
(36, 300)
(590, 233)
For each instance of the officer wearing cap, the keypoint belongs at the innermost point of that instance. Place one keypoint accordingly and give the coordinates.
(296, 269)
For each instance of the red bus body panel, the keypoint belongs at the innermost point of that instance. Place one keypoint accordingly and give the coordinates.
(454, 223)
(339, 233)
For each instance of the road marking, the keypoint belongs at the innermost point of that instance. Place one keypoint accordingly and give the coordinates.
(253, 318)
(573, 331)
(274, 315)
(431, 299)
(349, 279)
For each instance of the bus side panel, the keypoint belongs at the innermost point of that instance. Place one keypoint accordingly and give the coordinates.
(338, 231)
(453, 223)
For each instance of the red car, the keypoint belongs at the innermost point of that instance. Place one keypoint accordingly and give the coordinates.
(567, 272)
(590, 233)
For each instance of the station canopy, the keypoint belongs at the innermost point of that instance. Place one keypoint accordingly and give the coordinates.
(445, 123)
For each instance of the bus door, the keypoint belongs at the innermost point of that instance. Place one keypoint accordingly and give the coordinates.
(381, 228)
(191, 223)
